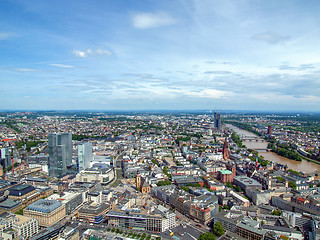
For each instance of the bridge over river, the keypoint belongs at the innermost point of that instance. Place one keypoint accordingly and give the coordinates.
(252, 141)
(251, 138)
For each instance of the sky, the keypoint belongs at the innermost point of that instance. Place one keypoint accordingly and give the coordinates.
(160, 55)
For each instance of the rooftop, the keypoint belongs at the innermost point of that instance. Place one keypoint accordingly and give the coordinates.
(9, 204)
(44, 205)
(246, 180)
(21, 190)
(225, 171)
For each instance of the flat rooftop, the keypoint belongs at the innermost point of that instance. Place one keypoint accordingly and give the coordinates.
(44, 205)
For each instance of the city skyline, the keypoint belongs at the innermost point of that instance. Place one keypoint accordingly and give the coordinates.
(160, 55)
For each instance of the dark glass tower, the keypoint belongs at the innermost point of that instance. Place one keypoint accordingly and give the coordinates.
(60, 153)
(217, 121)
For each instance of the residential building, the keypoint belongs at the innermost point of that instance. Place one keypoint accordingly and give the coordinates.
(23, 226)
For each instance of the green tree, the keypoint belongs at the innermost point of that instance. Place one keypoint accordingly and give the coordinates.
(280, 179)
(276, 212)
(292, 185)
(155, 162)
(218, 229)
(185, 188)
(237, 188)
(207, 236)
(163, 183)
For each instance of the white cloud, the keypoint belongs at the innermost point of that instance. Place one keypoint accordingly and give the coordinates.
(60, 65)
(101, 51)
(270, 37)
(26, 70)
(90, 52)
(209, 93)
(79, 53)
(151, 20)
(6, 35)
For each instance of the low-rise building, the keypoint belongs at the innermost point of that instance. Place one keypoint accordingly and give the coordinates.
(21, 191)
(185, 180)
(249, 229)
(246, 183)
(225, 176)
(160, 219)
(93, 213)
(104, 175)
(47, 212)
(52, 232)
(71, 200)
(23, 226)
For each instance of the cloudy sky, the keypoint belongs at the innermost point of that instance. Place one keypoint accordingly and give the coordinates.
(168, 54)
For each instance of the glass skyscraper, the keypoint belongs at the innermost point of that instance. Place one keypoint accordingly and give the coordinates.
(84, 155)
(60, 153)
(217, 121)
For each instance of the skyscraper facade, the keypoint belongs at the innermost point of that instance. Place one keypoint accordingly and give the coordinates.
(217, 121)
(84, 155)
(60, 153)
(5, 157)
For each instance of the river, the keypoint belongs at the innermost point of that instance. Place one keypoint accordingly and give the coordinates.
(261, 146)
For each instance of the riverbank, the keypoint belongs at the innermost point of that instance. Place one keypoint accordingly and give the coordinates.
(308, 159)
(300, 166)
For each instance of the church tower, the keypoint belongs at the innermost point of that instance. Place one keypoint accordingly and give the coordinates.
(138, 181)
(225, 149)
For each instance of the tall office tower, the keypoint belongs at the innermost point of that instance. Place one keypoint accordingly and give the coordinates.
(5, 158)
(60, 153)
(269, 130)
(217, 121)
(85, 155)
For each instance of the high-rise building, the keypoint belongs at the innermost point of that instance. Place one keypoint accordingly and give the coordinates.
(84, 155)
(5, 158)
(217, 121)
(269, 130)
(60, 153)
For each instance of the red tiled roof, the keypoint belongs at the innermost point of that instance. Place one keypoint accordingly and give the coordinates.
(8, 139)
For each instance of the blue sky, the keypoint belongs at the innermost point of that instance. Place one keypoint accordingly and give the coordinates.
(168, 54)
